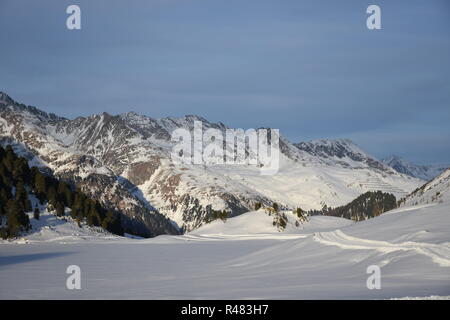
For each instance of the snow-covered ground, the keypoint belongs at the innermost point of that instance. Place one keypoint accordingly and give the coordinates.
(244, 258)
(52, 229)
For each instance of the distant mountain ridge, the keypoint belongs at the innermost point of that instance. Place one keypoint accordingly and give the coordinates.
(339, 148)
(124, 161)
(425, 172)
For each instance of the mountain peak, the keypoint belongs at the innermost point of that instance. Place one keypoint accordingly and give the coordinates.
(394, 157)
(5, 99)
(194, 117)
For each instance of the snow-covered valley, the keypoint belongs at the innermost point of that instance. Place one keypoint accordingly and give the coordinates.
(243, 258)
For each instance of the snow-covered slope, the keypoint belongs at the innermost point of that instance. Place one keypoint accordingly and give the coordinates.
(435, 191)
(52, 229)
(253, 222)
(125, 162)
(418, 171)
(261, 223)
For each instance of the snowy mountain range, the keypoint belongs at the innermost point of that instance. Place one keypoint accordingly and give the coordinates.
(124, 161)
(418, 171)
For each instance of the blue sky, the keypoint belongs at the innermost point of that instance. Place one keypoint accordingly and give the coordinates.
(310, 68)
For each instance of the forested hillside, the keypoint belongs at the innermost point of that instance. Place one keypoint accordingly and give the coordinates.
(18, 182)
(367, 205)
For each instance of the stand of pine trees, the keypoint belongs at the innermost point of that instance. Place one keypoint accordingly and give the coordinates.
(280, 220)
(367, 205)
(18, 180)
(217, 214)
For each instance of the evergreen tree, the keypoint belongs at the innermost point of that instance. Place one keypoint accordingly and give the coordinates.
(21, 170)
(65, 193)
(8, 159)
(22, 196)
(92, 220)
(112, 223)
(40, 187)
(77, 207)
(36, 213)
(17, 219)
(5, 195)
(59, 208)
(52, 196)
(275, 206)
(5, 175)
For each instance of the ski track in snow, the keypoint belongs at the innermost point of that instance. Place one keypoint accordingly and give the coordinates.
(439, 253)
(240, 237)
